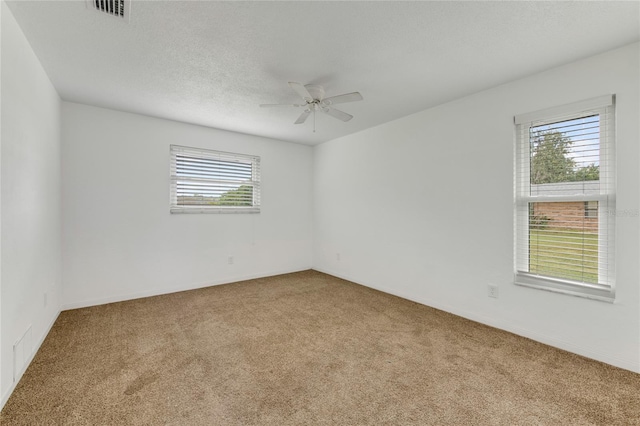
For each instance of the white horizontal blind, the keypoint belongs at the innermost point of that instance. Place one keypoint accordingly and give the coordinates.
(565, 199)
(205, 181)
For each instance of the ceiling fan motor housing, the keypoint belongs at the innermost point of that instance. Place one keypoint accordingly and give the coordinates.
(317, 92)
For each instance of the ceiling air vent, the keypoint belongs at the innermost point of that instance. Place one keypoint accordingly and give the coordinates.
(116, 8)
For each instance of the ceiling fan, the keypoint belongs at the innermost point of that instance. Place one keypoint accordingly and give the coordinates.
(313, 96)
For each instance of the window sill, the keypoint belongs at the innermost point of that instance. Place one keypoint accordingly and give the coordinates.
(214, 210)
(589, 291)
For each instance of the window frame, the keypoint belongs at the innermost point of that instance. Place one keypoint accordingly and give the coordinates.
(604, 290)
(175, 150)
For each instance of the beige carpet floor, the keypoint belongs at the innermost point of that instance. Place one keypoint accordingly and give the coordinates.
(305, 348)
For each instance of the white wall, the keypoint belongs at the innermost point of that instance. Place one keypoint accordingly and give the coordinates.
(422, 207)
(121, 242)
(30, 192)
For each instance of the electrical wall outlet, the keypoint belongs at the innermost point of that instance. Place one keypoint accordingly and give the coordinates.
(493, 291)
(230, 260)
(338, 257)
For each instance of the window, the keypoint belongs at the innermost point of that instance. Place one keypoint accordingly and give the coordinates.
(565, 199)
(204, 181)
(591, 209)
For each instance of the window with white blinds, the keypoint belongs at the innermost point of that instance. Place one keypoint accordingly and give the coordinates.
(204, 181)
(565, 199)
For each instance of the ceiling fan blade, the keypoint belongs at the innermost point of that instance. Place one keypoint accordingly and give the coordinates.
(340, 99)
(340, 115)
(303, 117)
(301, 90)
(279, 105)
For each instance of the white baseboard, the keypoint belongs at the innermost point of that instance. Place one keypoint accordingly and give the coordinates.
(36, 348)
(158, 292)
(603, 356)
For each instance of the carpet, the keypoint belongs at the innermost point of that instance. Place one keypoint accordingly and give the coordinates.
(305, 348)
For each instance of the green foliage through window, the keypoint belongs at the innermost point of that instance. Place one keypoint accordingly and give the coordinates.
(551, 161)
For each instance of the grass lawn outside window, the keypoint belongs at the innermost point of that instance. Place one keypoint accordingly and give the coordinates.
(564, 253)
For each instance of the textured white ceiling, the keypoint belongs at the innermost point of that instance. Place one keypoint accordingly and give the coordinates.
(212, 63)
